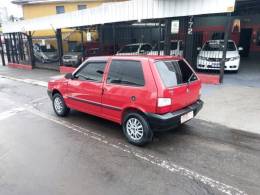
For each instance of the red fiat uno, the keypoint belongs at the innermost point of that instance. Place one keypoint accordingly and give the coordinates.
(142, 93)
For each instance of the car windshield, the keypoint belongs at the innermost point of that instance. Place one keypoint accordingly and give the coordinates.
(218, 46)
(129, 49)
(45, 48)
(173, 46)
(77, 48)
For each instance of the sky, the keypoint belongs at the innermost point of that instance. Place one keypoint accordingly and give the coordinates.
(12, 9)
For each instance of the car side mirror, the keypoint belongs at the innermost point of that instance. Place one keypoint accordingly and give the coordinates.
(69, 76)
(198, 48)
(240, 48)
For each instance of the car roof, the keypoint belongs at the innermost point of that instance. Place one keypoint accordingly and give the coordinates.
(134, 57)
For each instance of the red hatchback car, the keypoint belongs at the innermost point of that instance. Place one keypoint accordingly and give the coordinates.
(142, 93)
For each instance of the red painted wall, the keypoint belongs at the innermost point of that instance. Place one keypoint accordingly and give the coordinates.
(209, 30)
(20, 66)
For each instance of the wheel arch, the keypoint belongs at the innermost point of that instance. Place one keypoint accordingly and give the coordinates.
(129, 110)
(54, 91)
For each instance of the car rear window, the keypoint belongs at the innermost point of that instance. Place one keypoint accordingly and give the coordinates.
(174, 73)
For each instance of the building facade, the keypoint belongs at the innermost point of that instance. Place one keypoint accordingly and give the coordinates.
(37, 8)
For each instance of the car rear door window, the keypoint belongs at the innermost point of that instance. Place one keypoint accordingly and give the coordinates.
(92, 71)
(126, 72)
(174, 73)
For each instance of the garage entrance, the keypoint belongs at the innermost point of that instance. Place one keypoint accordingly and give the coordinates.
(245, 41)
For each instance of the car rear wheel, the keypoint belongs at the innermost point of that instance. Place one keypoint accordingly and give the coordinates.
(59, 105)
(137, 129)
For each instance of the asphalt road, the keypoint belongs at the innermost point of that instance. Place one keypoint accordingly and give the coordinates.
(81, 154)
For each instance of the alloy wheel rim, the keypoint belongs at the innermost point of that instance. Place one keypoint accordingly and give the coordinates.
(134, 129)
(58, 104)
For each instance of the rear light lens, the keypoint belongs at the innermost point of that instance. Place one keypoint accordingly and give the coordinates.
(162, 102)
(164, 105)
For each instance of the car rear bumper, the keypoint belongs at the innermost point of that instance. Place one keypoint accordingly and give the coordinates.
(171, 120)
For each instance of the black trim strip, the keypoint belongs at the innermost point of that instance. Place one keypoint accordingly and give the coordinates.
(95, 103)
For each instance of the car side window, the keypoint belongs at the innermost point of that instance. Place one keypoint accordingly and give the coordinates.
(146, 48)
(92, 71)
(126, 72)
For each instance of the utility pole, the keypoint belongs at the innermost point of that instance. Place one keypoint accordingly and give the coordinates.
(225, 47)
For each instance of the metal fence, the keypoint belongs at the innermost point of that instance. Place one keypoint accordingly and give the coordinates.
(170, 36)
(15, 48)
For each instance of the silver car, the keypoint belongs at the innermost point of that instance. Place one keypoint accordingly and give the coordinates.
(73, 57)
(45, 54)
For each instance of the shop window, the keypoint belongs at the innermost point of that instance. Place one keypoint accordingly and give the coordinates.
(81, 7)
(258, 38)
(60, 9)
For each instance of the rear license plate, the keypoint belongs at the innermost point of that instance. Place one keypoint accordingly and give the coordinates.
(187, 117)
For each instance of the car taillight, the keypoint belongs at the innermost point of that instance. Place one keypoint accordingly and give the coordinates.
(162, 102)
(164, 105)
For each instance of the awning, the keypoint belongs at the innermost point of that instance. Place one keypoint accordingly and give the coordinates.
(121, 12)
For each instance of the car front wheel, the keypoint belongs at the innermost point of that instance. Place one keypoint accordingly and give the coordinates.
(137, 129)
(59, 105)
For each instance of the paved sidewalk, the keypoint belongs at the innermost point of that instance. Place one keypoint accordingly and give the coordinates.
(232, 105)
(35, 74)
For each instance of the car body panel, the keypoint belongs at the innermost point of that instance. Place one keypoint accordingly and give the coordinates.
(110, 101)
(142, 98)
(181, 95)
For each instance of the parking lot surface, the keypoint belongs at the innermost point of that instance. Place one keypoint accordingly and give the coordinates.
(81, 154)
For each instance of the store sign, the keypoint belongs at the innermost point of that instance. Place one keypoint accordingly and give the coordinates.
(43, 42)
(88, 36)
(190, 25)
(175, 27)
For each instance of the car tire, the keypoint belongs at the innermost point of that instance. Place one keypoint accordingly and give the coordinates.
(59, 105)
(136, 129)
